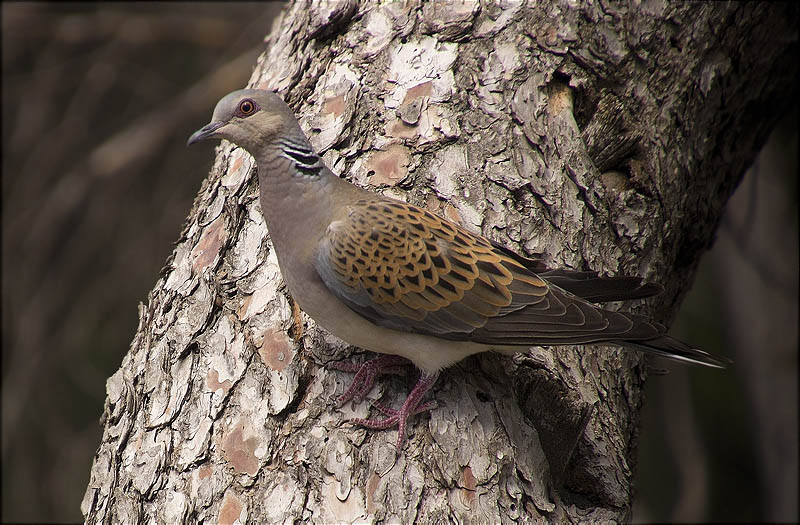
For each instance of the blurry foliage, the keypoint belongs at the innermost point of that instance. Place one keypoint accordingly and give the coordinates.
(98, 101)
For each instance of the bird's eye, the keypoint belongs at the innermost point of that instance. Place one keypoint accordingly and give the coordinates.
(247, 107)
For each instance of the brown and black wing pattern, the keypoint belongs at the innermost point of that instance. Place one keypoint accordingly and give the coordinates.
(405, 268)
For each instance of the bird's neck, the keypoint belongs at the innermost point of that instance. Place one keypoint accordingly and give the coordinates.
(295, 190)
(292, 156)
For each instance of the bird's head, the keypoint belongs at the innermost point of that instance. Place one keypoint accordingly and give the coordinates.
(250, 118)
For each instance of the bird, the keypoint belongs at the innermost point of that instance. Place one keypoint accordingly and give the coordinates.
(396, 279)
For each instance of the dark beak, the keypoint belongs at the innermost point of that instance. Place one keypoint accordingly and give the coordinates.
(206, 132)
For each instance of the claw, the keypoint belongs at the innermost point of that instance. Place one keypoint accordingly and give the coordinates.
(430, 405)
(366, 373)
(410, 407)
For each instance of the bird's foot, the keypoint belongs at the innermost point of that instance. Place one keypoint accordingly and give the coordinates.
(430, 405)
(410, 407)
(366, 374)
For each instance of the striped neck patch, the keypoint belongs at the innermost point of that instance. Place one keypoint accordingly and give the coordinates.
(305, 160)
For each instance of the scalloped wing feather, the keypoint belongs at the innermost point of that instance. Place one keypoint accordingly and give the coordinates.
(404, 268)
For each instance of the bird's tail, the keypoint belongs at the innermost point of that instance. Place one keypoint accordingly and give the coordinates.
(666, 346)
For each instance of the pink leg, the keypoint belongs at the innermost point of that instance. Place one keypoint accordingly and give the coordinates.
(410, 407)
(366, 374)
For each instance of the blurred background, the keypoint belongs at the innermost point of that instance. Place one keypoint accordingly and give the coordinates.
(717, 445)
(98, 101)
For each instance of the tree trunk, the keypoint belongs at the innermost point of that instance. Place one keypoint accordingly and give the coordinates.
(604, 137)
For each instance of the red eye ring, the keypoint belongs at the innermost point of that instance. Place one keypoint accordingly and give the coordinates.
(246, 107)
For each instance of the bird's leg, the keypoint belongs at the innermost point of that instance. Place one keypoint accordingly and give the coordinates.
(410, 407)
(366, 374)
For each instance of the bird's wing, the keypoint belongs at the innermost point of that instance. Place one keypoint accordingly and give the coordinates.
(404, 268)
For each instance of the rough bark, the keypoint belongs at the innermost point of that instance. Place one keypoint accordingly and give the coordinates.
(604, 137)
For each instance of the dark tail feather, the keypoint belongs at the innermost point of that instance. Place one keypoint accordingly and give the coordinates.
(592, 287)
(587, 285)
(666, 346)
